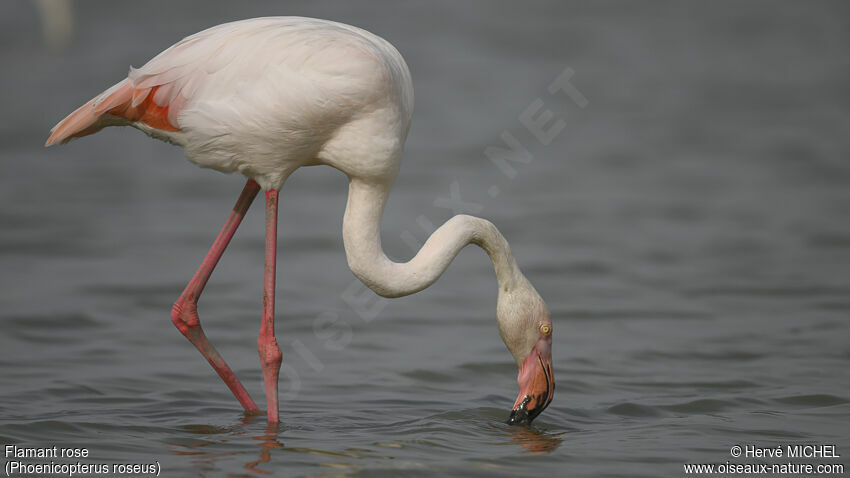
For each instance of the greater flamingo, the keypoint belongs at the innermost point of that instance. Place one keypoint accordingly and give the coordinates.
(266, 96)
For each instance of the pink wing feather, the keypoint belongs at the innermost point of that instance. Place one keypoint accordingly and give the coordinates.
(154, 94)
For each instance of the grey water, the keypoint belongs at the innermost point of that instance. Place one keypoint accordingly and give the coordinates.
(687, 223)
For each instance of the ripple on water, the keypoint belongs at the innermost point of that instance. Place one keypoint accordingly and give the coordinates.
(499, 368)
(430, 376)
(813, 400)
(729, 355)
(704, 405)
(708, 385)
(597, 314)
(773, 292)
(52, 322)
(631, 409)
(73, 391)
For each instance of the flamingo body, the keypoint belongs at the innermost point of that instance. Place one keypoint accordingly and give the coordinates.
(266, 96)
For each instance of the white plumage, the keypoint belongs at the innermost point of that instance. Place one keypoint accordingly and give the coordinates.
(268, 95)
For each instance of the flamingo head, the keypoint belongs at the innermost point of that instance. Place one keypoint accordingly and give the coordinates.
(526, 328)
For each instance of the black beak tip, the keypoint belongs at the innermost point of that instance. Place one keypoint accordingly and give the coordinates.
(522, 415)
(519, 417)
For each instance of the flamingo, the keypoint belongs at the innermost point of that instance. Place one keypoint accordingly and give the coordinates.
(266, 96)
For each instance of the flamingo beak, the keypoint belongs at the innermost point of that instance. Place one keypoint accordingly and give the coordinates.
(536, 384)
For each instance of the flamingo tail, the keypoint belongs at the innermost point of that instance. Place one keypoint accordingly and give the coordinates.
(92, 116)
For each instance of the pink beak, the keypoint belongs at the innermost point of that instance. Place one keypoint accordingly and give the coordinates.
(536, 383)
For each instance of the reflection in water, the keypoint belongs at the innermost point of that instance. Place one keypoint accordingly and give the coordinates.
(220, 435)
(534, 441)
(267, 442)
(205, 451)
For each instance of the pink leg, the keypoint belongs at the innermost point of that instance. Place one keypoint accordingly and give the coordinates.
(184, 314)
(270, 356)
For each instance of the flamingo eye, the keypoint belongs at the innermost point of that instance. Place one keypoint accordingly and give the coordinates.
(545, 329)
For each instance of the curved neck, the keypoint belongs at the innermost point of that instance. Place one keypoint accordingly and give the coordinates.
(361, 232)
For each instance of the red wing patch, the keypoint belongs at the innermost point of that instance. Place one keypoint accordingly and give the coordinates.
(147, 111)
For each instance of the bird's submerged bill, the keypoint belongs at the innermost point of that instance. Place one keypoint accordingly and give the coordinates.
(536, 381)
